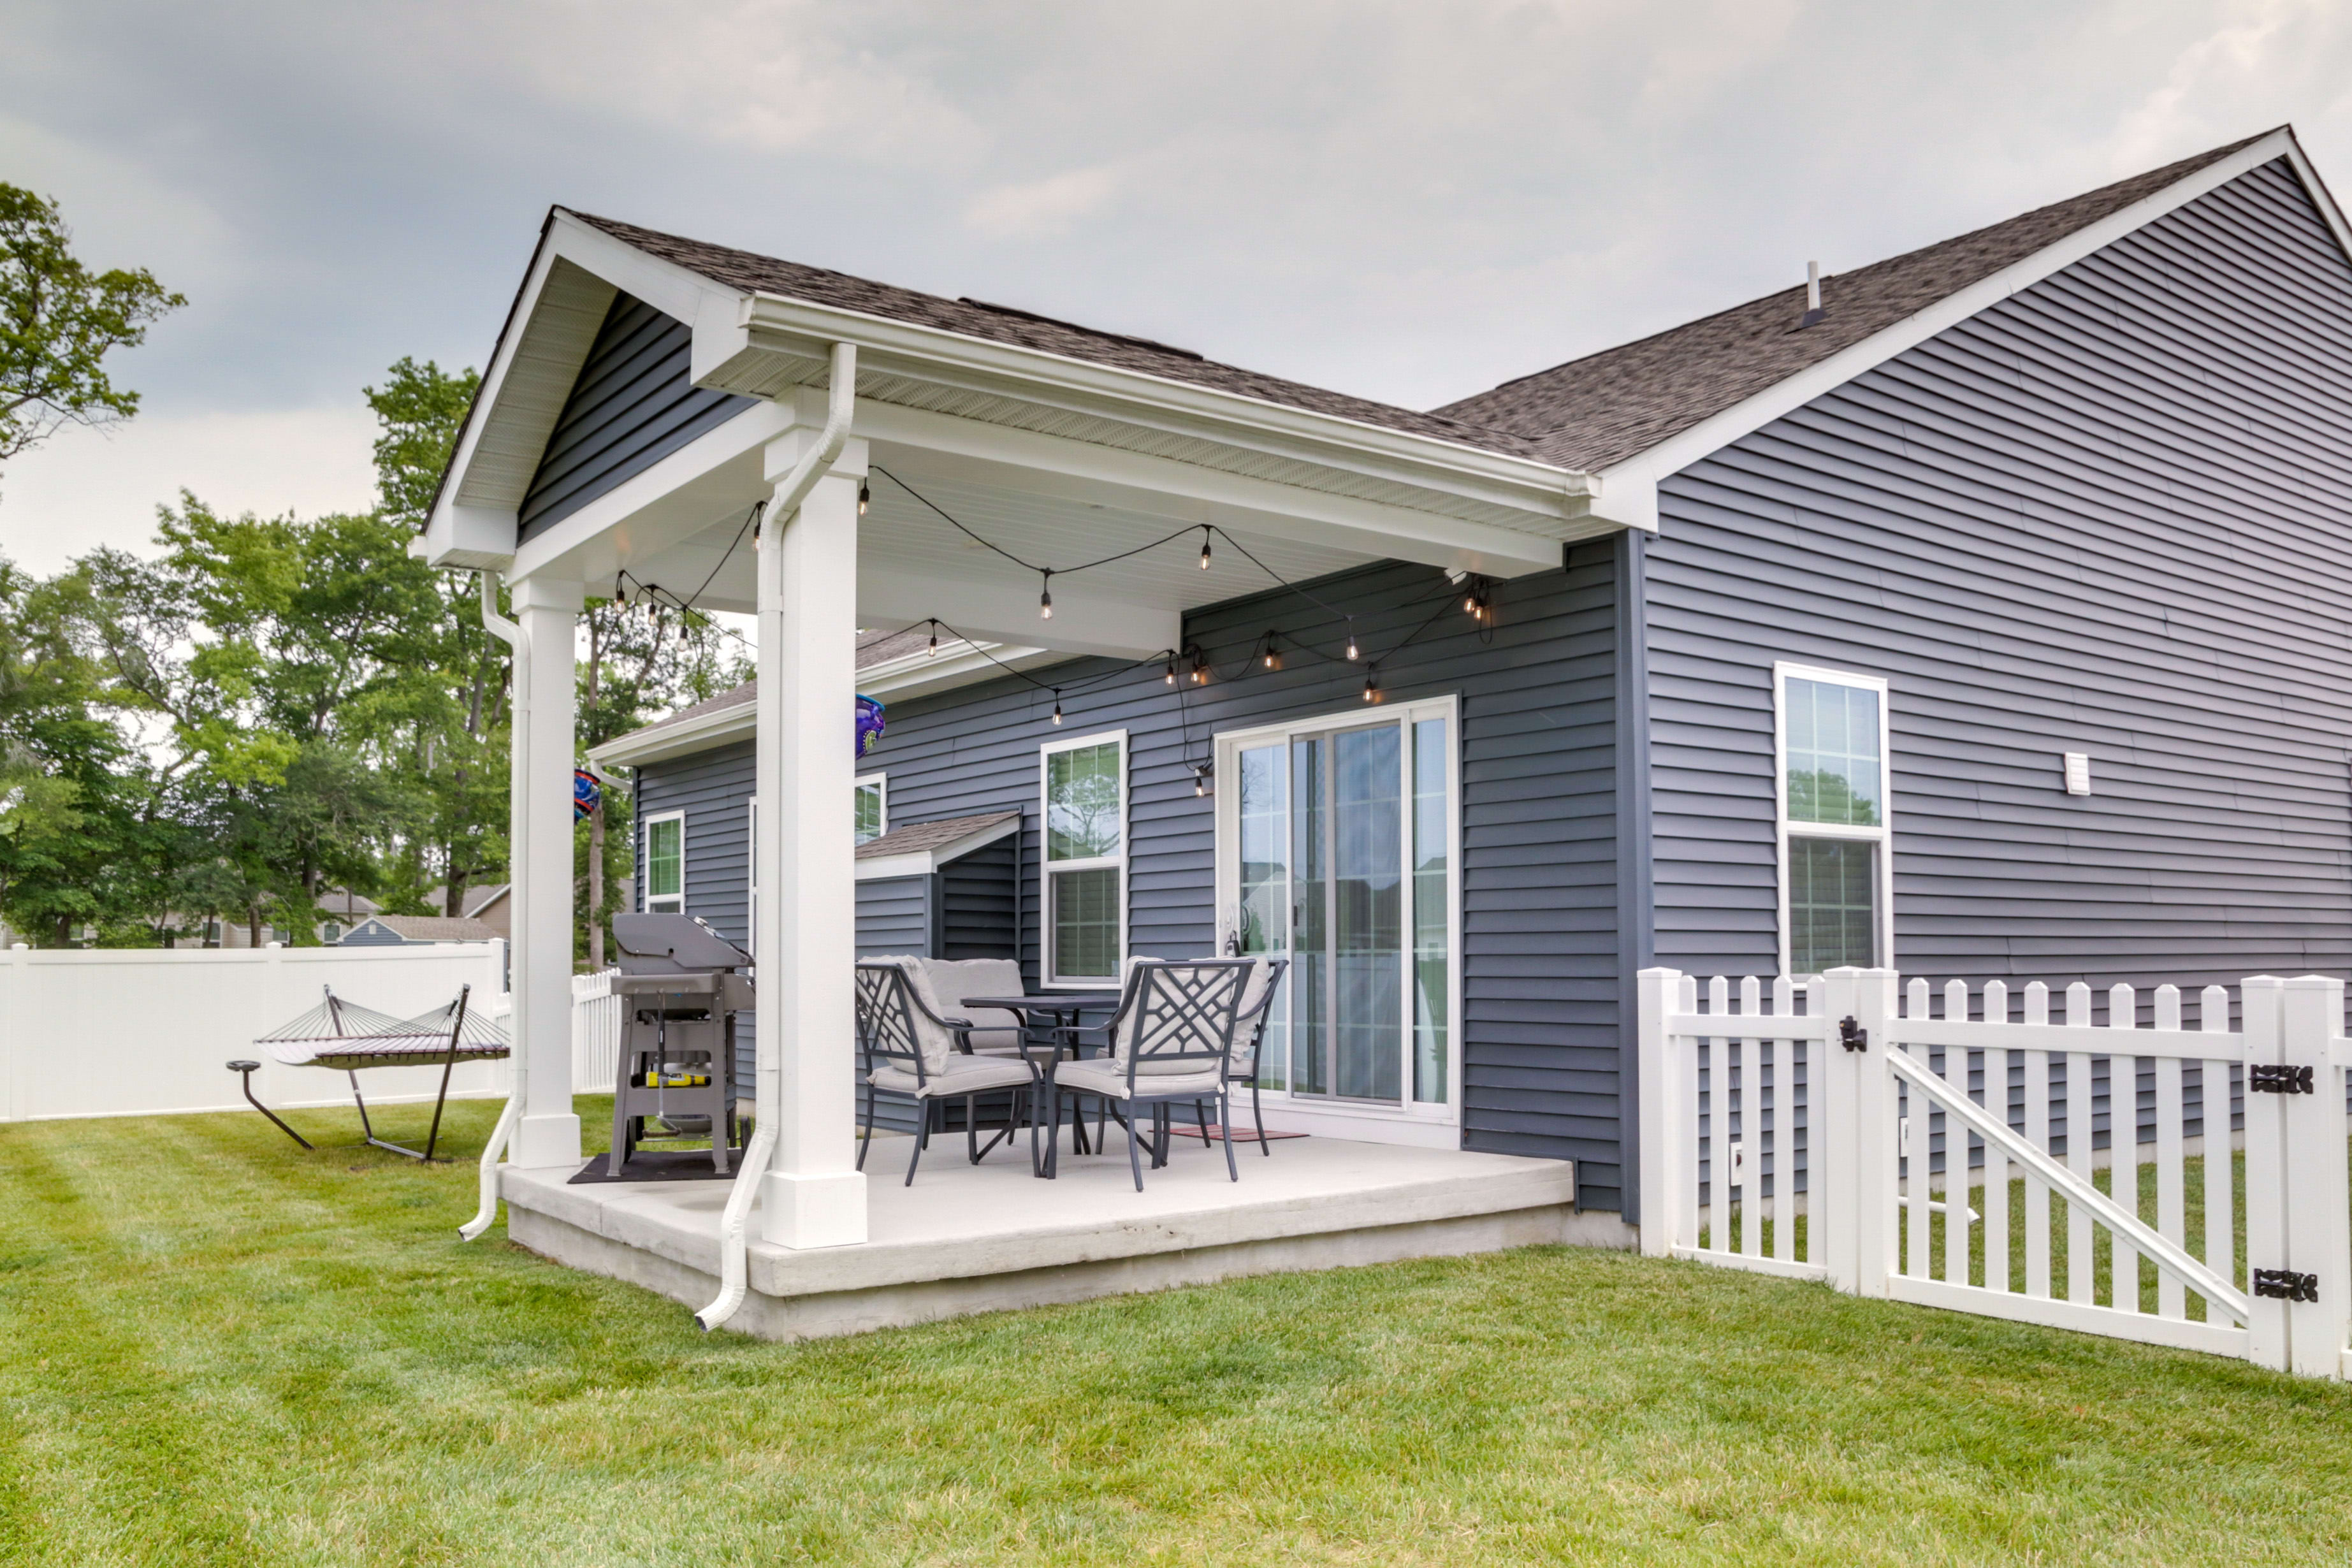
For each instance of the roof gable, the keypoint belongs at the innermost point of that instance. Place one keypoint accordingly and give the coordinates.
(1596, 411)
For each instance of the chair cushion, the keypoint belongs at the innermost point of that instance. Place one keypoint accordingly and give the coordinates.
(953, 979)
(1100, 1076)
(1168, 1028)
(961, 1075)
(1252, 1027)
(936, 1043)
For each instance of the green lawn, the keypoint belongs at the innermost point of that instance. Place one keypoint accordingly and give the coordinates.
(217, 1349)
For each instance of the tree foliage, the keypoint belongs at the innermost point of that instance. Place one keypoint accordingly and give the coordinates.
(59, 321)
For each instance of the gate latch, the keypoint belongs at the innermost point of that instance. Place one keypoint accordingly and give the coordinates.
(2286, 1285)
(1851, 1034)
(2266, 1079)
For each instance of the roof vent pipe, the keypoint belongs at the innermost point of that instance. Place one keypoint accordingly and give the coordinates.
(1812, 296)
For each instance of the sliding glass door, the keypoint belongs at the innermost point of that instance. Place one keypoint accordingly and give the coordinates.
(1339, 855)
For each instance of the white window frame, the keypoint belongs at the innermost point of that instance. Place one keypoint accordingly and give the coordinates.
(1047, 867)
(646, 861)
(1883, 835)
(881, 782)
(1412, 1122)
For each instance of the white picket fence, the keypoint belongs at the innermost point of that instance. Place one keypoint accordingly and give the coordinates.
(595, 1032)
(1803, 1142)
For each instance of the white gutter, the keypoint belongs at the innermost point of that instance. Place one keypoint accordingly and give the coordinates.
(518, 825)
(734, 1259)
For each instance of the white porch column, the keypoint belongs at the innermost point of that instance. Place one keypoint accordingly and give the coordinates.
(549, 1133)
(813, 1194)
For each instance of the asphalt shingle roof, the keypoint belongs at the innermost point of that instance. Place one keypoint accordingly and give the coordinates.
(1003, 324)
(1605, 407)
(919, 836)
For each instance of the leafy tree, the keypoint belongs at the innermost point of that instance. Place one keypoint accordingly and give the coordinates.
(59, 321)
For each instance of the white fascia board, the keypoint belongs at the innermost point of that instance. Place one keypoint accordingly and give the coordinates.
(469, 529)
(700, 733)
(1550, 498)
(1627, 491)
(1188, 493)
(923, 862)
(987, 612)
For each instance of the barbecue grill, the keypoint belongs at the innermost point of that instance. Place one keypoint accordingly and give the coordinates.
(681, 984)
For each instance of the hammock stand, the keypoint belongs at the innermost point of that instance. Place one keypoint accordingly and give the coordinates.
(339, 1034)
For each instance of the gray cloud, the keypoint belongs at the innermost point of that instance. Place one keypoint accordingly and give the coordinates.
(1408, 201)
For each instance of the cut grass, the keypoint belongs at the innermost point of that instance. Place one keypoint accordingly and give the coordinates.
(221, 1349)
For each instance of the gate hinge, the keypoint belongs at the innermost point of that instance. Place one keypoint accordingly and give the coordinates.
(1851, 1034)
(2271, 1079)
(2286, 1285)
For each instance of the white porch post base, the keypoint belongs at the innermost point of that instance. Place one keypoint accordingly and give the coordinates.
(803, 1211)
(540, 1141)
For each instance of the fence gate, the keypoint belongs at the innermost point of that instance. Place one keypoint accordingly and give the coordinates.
(2086, 1177)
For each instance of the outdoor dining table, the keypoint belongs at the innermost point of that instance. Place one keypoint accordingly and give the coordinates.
(1064, 1009)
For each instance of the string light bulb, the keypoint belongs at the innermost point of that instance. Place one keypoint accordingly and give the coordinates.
(1273, 656)
(1371, 687)
(1352, 654)
(865, 496)
(1057, 705)
(1045, 599)
(933, 651)
(1204, 547)
(1170, 677)
(1201, 774)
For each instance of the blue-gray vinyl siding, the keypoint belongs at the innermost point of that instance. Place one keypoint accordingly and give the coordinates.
(632, 406)
(2108, 514)
(713, 789)
(1539, 883)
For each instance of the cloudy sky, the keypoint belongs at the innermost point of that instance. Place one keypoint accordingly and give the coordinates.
(1406, 201)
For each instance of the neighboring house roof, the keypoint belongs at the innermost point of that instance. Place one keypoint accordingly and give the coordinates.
(971, 318)
(1605, 407)
(429, 928)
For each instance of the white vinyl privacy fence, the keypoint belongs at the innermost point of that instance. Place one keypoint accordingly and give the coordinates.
(595, 1032)
(143, 1031)
(2155, 1177)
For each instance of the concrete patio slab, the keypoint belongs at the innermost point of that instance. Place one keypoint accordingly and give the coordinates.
(968, 1238)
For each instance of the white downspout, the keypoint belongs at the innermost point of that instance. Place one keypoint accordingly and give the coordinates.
(733, 1258)
(518, 1059)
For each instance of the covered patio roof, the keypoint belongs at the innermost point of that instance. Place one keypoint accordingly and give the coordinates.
(1056, 444)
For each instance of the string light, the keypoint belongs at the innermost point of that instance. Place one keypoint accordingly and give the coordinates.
(1201, 774)
(1273, 656)
(933, 651)
(1204, 547)
(1371, 687)
(1352, 654)
(865, 496)
(1170, 677)
(1200, 667)
(1045, 599)
(1057, 705)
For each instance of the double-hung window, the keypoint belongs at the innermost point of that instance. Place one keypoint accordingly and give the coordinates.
(873, 802)
(666, 864)
(1085, 868)
(1834, 848)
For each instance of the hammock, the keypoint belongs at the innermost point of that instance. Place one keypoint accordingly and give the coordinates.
(339, 1034)
(344, 1035)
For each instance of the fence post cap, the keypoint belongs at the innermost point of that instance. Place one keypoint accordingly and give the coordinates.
(2309, 982)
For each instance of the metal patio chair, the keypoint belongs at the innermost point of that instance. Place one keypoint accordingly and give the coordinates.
(1249, 1040)
(1170, 1043)
(911, 1049)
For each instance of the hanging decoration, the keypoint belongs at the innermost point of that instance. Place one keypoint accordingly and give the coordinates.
(869, 723)
(587, 793)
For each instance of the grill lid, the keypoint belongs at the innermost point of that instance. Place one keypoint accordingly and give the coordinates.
(673, 944)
